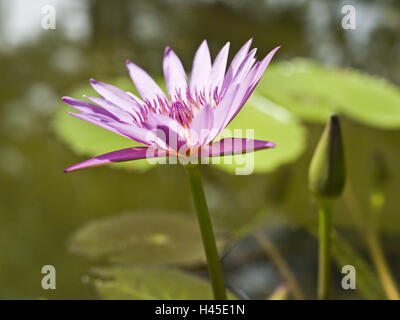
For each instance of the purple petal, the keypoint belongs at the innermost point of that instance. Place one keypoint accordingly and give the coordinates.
(222, 111)
(118, 156)
(251, 81)
(231, 105)
(119, 113)
(236, 62)
(115, 95)
(88, 108)
(173, 134)
(174, 73)
(240, 55)
(244, 68)
(201, 125)
(201, 68)
(128, 131)
(264, 64)
(231, 146)
(218, 68)
(145, 85)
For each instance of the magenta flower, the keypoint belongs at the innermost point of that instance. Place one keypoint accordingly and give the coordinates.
(188, 119)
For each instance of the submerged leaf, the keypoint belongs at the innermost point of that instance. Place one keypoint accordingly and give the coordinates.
(139, 238)
(151, 284)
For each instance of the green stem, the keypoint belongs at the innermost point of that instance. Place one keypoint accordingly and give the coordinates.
(371, 233)
(381, 265)
(207, 234)
(324, 258)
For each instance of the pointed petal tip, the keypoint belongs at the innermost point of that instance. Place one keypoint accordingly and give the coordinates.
(167, 50)
(263, 144)
(204, 44)
(75, 167)
(248, 44)
(270, 144)
(276, 49)
(66, 99)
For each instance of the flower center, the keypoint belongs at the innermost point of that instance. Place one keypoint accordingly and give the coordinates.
(183, 108)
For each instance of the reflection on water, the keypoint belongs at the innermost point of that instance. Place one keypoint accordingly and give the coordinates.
(40, 207)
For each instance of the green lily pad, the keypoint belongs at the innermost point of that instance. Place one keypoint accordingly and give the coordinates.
(269, 121)
(313, 92)
(141, 238)
(151, 284)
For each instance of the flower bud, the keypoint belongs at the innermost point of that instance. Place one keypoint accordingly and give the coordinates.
(326, 176)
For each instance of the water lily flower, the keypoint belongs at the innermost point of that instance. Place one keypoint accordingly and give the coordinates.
(183, 123)
(186, 120)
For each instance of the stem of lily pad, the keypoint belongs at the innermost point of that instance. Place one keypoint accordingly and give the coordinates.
(207, 233)
(324, 257)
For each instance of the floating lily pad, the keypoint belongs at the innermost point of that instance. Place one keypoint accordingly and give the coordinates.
(141, 238)
(151, 284)
(313, 92)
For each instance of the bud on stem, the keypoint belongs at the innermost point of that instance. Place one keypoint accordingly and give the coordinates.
(327, 170)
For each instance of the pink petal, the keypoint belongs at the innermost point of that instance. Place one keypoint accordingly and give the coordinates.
(236, 62)
(231, 146)
(173, 134)
(174, 74)
(119, 113)
(236, 96)
(201, 68)
(264, 64)
(87, 108)
(201, 125)
(118, 156)
(221, 112)
(244, 68)
(240, 55)
(251, 81)
(219, 67)
(115, 95)
(128, 131)
(145, 85)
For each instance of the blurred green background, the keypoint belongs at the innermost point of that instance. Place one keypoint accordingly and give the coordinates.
(41, 207)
